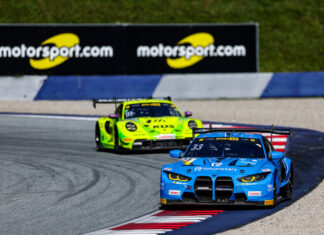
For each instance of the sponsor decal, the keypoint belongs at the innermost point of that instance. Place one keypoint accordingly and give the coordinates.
(270, 187)
(163, 201)
(268, 202)
(190, 50)
(167, 169)
(254, 193)
(150, 104)
(216, 164)
(266, 170)
(250, 183)
(166, 136)
(162, 186)
(228, 138)
(138, 143)
(174, 192)
(198, 168)
(188, 161)
(215, 169)
(251, 162)
(55, 51)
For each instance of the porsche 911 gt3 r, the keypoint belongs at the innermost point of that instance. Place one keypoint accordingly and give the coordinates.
(228, 167)
(144, 124)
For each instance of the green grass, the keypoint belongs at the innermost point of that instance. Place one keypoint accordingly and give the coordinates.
(291, 31)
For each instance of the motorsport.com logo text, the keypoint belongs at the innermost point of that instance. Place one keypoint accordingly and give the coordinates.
(211, 50)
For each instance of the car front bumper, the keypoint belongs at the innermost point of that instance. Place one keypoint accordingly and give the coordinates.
(205, 190)
(161, 144)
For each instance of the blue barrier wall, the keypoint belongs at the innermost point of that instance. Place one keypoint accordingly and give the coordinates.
(89, 87)
(295, 85)
(178, 86)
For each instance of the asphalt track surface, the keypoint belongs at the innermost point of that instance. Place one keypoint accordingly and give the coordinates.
(52, 181)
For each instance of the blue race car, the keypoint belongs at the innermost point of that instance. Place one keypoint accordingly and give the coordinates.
(228, 167)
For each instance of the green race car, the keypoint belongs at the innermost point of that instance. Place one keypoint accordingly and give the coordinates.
(144, 124)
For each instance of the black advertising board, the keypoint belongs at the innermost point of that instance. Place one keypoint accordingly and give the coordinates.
(69, 49)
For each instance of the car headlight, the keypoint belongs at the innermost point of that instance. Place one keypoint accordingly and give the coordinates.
(131, 126)
(253, 178)
(177, 177)
(192, 124)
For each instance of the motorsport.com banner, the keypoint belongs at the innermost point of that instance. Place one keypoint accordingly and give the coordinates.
(68, 49)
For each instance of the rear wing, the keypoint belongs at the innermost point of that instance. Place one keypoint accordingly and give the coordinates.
(121, 100)
(272, 130)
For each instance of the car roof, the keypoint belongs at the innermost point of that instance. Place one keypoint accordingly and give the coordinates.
(147, 101)
(230, 134)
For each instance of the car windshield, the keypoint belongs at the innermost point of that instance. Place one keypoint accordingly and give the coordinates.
(225, 147)
(151, 110)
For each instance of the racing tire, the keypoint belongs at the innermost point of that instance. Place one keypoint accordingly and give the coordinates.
(117, 147)
(97, 138)
(275, 196)
(288, 188)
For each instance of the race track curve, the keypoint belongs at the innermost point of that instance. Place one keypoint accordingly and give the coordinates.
(52, 180)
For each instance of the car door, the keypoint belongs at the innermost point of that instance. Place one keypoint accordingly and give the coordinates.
(119, 111)
(279, 163)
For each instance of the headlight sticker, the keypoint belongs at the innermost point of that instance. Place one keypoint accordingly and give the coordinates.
(178, 177)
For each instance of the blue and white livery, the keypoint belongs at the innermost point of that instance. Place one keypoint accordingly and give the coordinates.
(228, 167)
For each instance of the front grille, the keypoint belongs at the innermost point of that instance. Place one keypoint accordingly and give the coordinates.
(162, 144)
(204, 188)
(188, 197)
(224, 188)
(240, 197)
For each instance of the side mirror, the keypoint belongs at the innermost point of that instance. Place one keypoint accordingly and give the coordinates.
(113, 116)
(188, 114)
(274, 155)
(176, 153)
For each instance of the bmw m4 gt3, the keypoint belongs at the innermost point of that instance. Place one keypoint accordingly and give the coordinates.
(228, 167)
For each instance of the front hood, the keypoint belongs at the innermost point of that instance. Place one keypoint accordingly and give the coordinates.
(212, 165)
(161, 124)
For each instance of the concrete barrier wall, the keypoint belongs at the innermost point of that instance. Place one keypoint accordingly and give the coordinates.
(182, 86)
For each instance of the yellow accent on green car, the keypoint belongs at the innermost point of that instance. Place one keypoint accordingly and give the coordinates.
(144, 124)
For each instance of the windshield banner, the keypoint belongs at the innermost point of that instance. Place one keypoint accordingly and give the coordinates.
(72, 49)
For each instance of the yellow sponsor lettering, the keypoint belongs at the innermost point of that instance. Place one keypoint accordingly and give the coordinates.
(228, 138)
(151, 104)
(268, 202)
(66, 40)
(199, 43)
